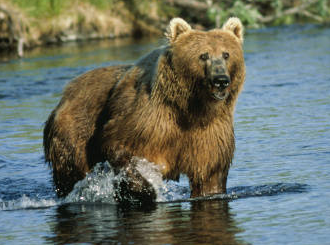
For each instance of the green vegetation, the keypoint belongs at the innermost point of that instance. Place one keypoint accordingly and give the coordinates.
(255, 14)
(247, 13)
(34, 22)
(49, 8)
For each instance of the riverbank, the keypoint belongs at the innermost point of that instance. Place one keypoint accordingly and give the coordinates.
(24, 27)
(27, 24)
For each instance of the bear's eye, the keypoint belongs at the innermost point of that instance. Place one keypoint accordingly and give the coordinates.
(204, 56)
(225, 55)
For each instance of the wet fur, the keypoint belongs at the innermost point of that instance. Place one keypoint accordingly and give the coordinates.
(154, 109)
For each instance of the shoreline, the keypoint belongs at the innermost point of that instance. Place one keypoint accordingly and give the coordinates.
(19, 32)
(26, 27)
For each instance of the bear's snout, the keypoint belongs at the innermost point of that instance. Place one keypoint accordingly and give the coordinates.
(218, 73)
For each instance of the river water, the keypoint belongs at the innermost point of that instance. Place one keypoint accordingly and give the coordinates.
(278, 186)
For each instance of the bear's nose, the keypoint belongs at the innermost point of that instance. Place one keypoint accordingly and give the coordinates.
(221, 81)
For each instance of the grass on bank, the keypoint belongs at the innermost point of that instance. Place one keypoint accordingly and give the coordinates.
(50, 8)
(38, 22)
(252, 13)
(255, 14)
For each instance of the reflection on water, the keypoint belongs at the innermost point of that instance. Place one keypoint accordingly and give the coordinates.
(179, 223)
(81, 54)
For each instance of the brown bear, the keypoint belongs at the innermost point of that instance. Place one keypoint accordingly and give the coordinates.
(174, 107)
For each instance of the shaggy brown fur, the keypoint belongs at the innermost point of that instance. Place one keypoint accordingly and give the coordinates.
(174, 107)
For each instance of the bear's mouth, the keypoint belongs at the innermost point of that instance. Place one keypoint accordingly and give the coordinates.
(220, 95)
(219, 86)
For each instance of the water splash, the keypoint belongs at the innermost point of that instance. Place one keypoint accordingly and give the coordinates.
(99, 185)
(26, 202)
(166, 190)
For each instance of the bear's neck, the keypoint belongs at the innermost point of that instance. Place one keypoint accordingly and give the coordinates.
(190, 106)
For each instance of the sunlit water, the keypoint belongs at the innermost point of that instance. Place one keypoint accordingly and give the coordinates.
(278, 186)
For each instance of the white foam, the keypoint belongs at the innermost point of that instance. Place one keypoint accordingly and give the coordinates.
(166, 190)
(26, 202)
(98, 186)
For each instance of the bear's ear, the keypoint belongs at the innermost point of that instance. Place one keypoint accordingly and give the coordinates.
(176, 27)
(234, 25)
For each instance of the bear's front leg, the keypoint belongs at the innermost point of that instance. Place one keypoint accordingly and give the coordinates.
(131, 186)
(215, 184)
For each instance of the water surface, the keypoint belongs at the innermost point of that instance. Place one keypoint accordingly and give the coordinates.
(278, 186)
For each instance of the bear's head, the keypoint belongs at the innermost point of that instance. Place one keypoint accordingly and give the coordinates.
(212, 59)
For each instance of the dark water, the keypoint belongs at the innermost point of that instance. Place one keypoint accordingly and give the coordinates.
(279, 184)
